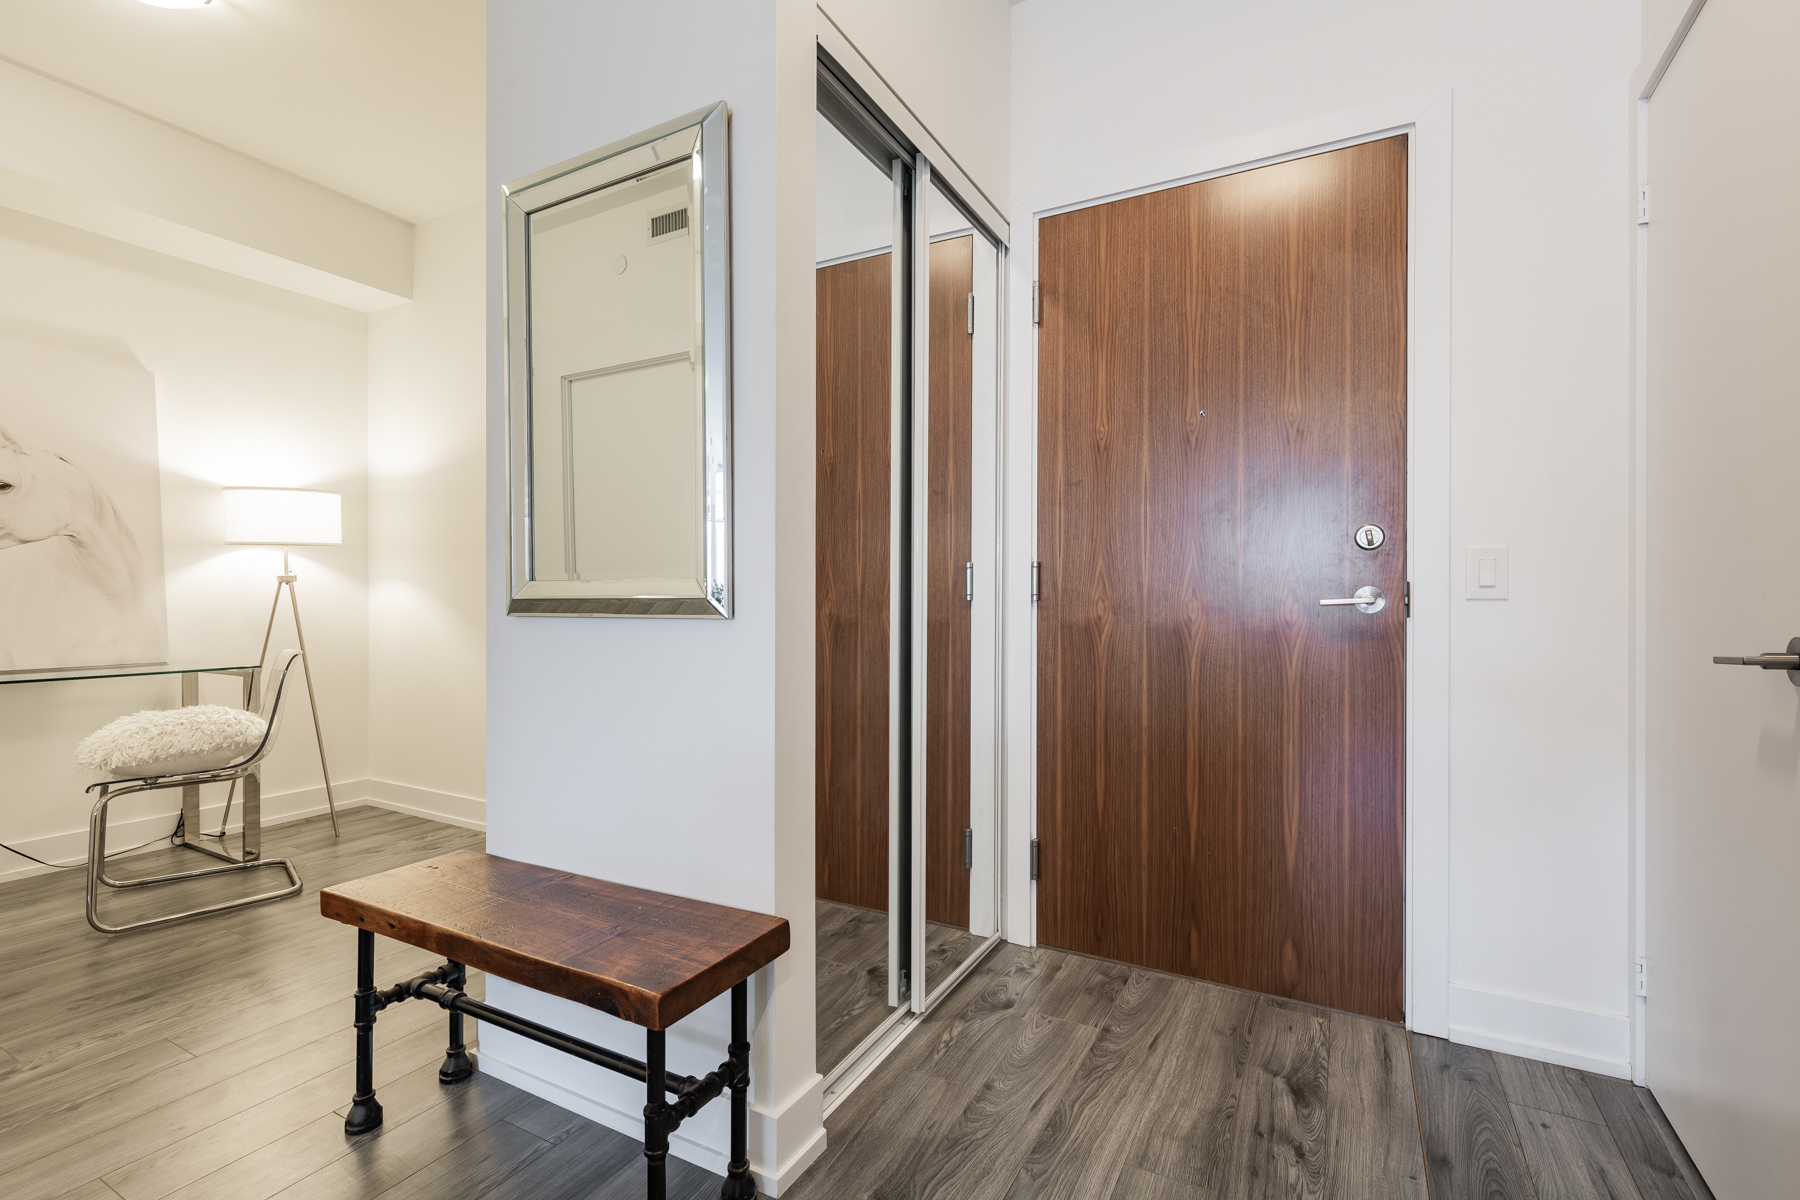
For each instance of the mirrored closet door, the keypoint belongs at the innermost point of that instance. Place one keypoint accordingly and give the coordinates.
(860, 867)
(955, 417)
(908, 368)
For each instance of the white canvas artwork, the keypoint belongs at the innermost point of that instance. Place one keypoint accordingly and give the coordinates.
(81, 561)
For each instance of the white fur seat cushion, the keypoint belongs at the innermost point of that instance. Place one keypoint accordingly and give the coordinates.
(171, 741)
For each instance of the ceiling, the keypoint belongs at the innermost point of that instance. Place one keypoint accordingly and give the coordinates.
(382, 100)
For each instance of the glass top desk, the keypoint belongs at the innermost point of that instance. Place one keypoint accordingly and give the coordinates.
(190, 672)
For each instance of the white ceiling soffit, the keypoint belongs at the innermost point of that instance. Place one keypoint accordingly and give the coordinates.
(382, 102)
(71, 157)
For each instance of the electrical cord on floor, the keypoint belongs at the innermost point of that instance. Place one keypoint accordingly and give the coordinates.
(71, 866)
(181, 828)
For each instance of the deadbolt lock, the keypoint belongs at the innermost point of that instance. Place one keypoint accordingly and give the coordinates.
(1370, 537)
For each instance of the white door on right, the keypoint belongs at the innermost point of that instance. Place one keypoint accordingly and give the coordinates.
(1722, 835)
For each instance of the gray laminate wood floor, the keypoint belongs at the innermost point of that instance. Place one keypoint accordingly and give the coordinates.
(1053, 1075)
(214, 1060)
(851, 996)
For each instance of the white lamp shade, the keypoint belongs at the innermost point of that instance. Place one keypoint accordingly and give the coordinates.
(283, 517)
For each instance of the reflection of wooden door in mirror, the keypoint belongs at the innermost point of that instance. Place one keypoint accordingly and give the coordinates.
(947, 552)
(851, 786)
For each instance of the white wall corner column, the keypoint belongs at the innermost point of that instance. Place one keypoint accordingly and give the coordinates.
(427, 430)
(675, 755)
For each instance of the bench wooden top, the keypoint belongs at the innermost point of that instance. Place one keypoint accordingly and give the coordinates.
(647, 957)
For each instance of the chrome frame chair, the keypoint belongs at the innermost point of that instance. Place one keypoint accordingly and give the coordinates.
(248, 769)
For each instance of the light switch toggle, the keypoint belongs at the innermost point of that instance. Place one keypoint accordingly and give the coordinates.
(1488, 573)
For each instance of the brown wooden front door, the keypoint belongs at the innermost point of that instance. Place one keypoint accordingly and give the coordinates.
(1222, 403)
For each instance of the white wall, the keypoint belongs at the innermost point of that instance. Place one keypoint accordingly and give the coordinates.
(1539, 693)
(1661, 20)
(947, 60)
(257, 385)
(427, 470)
(254, 386)
(675, 755)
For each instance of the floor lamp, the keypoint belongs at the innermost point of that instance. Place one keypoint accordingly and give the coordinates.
(258, 516)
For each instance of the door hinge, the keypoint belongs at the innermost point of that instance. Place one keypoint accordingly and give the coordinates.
(1034, 858)
(969, 582)
(968, 849)
(1037, 580)
(1037, 311)
(1406, 599)
(1641, 973)
(1644, 205)
(971, 314)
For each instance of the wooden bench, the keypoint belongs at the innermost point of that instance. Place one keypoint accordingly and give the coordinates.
(646, 957)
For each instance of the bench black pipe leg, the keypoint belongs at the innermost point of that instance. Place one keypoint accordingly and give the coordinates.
(365, 1110)
(738, 1183)
(457, 1066)
(656, 1114)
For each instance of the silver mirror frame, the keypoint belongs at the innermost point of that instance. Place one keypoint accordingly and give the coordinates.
(704, 136)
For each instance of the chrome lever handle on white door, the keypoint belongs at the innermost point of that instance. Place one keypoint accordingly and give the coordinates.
(1368, 599)
(1769, 660)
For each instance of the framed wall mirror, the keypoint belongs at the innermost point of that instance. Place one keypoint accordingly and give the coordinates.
(618, 356)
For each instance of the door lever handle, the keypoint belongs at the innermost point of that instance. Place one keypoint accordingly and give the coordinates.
(1768, 660)
(1368, 599)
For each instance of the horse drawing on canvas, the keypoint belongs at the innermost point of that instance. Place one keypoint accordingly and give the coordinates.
(71, 573)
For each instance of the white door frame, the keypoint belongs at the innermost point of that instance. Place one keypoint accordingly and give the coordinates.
(1644, 82)
(1427, 116)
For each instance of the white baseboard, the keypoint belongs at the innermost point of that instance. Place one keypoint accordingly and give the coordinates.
(803, 1115)
(631, 1123)
(70, 847)
(1582, 1038)
(448, 807)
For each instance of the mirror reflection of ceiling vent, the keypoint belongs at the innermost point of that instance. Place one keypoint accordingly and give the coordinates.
(670, 224)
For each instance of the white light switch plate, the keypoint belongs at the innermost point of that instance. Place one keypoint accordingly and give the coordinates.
(1487, 572)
